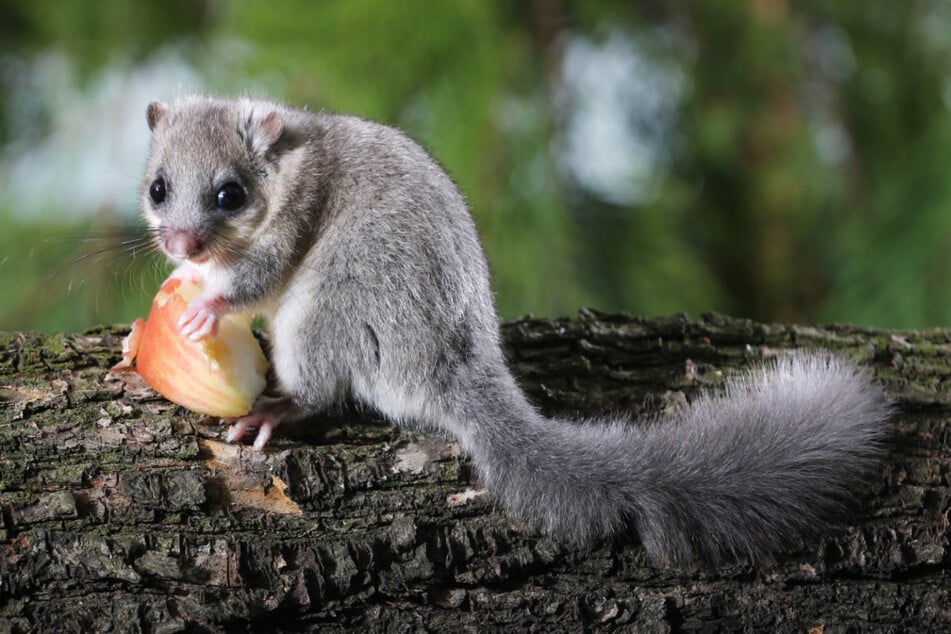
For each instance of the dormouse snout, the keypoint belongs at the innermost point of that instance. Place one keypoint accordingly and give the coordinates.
(181, 244)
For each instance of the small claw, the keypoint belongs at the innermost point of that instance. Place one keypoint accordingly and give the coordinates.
(264, 423)
(268, 413)
(238, 430)
(264, 434)
(201, 317)
(204, 326)
(242, 424)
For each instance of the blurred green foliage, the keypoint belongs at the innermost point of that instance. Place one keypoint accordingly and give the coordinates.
(804, 178)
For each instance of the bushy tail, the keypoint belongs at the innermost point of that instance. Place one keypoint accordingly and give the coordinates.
(736, 475)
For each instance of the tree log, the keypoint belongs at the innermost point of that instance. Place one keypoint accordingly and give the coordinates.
(122, 512)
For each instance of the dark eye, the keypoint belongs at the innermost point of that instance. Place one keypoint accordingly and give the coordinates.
(157, 191)
(230, 197)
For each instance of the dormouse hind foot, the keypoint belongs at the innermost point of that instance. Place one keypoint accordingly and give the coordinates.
(268, 412)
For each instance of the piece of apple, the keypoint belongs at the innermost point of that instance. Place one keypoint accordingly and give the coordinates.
(220, 375)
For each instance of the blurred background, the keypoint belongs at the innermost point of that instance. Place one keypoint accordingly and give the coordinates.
(780, 160)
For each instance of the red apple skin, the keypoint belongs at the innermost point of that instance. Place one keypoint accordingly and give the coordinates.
(220, 375)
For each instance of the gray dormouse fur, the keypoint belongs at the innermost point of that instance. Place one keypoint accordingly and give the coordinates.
(361, 253)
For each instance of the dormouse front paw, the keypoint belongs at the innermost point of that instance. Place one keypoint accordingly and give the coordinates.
(202, 317)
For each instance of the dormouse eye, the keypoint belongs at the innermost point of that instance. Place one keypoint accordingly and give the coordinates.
(230, 197)
(157, 191)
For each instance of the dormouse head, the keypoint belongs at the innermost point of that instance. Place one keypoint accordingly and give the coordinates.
(207, 180)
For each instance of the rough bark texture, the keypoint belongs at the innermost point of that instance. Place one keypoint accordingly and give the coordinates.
(121, 512)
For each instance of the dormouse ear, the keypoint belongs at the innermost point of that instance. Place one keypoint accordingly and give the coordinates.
(265, 132)
(155, 113)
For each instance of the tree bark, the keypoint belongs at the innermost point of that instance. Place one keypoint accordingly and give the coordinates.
(122, 512)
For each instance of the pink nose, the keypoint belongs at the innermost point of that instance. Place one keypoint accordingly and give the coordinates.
(182, 244)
